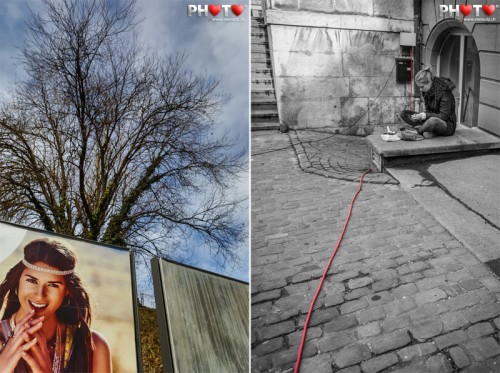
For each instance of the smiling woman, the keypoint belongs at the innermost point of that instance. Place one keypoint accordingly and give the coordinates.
(46, 315)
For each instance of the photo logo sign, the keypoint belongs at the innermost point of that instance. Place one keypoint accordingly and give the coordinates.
(465, 10)
(214, 10)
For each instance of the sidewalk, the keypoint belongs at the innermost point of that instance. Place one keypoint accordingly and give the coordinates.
(402, 295)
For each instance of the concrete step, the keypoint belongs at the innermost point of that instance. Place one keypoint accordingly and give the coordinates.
(465, 141)
(256, 11)
(257, 21)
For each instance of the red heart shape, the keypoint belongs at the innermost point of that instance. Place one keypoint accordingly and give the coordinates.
(237, 9)
(488, 9)
(214, 9)
(465, 9)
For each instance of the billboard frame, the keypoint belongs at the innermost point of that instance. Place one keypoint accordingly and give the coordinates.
(133, 279)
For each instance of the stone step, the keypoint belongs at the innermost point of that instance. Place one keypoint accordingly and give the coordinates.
(264, 115)
(259, 88)
(259, 37)
(260, 47)
(272, 105)
(257, 21)
(264, 72)
(258, 28)
(262, 66)
(261, 95)
(267, 100)
(260, 57)
(262, 82)
(263, 126)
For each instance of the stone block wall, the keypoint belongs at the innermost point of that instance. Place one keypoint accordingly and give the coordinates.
(334, 61)
(485, 31)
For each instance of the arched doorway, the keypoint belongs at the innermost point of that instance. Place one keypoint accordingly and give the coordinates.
(452, 52)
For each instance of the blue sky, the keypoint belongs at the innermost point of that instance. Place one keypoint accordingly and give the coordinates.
(220, 49)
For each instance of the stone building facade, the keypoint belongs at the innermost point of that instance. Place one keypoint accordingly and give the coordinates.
(334, 61)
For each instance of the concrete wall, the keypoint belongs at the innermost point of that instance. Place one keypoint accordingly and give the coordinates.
(332, 58)
(486, 34)
(203, 320)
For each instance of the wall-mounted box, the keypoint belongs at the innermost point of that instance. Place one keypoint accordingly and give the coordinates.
(403, 70)
(407, 39)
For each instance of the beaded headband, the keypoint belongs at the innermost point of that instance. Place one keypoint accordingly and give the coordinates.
(47, 270)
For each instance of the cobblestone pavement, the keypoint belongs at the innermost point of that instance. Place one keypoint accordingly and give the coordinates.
(335, 156)
(402, 295)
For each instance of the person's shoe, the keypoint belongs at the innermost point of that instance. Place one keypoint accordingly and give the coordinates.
(406, 116)
(410, 136)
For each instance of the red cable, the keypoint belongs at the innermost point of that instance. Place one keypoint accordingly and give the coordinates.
(411, 76)
(304, 332)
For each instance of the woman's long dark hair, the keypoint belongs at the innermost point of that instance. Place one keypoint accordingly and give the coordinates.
(75, 311)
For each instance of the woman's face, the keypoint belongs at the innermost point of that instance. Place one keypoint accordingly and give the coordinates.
(41, 291)
(424, 87)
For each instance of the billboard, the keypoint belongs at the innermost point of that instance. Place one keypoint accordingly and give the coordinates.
(203, 319)
(66, 304)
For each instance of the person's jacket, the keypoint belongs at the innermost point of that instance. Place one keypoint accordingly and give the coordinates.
(440, 102)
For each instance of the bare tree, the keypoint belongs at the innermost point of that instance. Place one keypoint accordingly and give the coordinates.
(106, 142)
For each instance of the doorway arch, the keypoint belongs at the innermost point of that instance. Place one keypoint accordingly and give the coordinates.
(452, 52)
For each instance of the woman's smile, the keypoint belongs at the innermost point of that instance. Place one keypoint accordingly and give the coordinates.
(40, 291)
(38, 307)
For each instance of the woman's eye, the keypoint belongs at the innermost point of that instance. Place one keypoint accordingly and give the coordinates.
(54, 285)
(31, 280)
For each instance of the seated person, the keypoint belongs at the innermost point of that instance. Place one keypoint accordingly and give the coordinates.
(439, 118)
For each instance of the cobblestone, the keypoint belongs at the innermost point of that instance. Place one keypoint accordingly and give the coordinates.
(372, 314)
(453, 320)
(426, 330)
(482, 312)
(389, 341)
(405, 290)
(459, 357)
(430, 296)
(353, 306)
(398, 272)
(480, 330)
(482, 349)
(379, 363)
(351, 355)
(338, 340)
(422, 349)
(368, 330)
(451, 339)
(438, 364)
(268, 346)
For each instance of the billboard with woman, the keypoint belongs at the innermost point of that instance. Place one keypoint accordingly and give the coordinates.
(66, 305)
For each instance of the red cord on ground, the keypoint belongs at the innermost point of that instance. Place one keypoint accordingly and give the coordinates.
(411, 76)
(311, 307)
